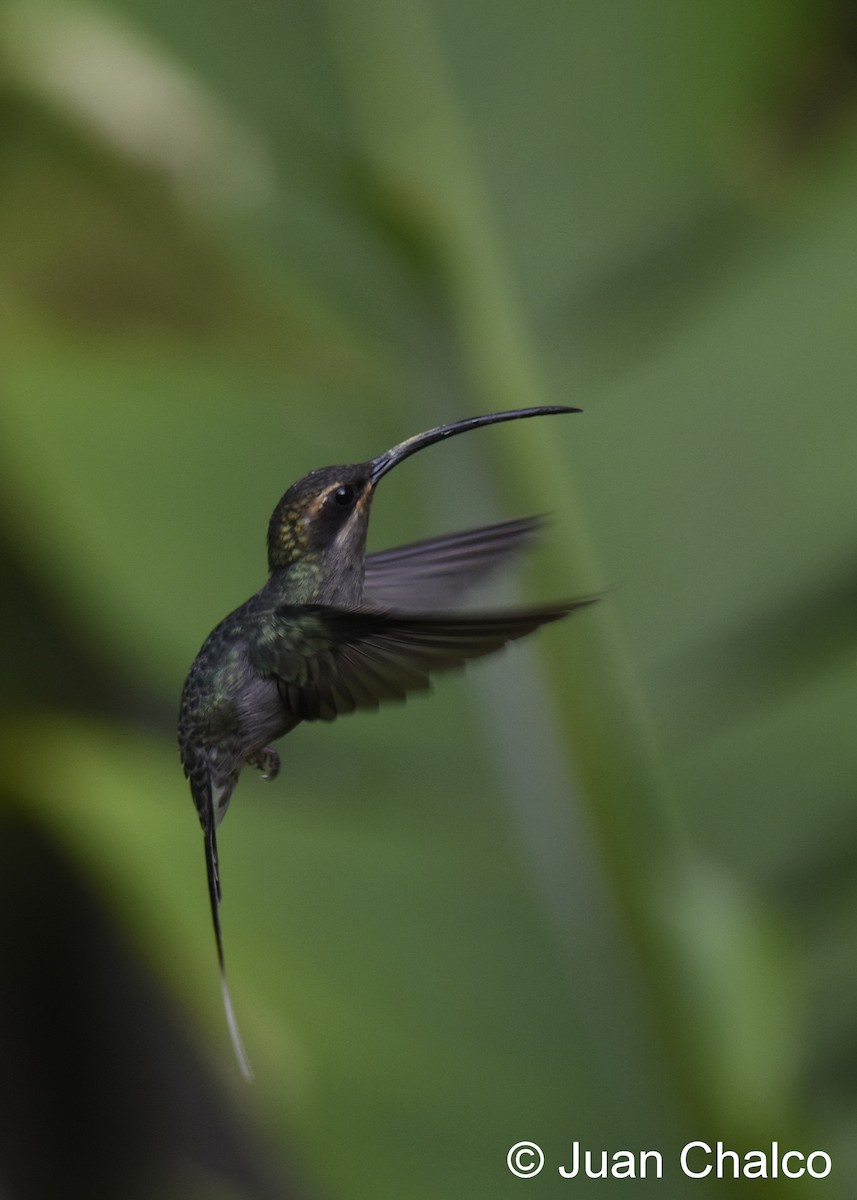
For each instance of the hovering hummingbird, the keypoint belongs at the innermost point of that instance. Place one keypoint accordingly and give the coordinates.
(333, 630)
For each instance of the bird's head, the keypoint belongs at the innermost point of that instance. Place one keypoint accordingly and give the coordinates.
(325, 512)
(325, 515)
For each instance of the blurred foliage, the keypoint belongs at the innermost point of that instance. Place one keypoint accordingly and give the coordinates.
(605, 888)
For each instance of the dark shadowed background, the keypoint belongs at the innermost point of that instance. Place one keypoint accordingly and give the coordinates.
(603, 888)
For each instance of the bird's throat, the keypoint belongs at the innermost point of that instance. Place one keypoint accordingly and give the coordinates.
(320, 578)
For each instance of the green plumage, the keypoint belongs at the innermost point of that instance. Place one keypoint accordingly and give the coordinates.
(332, 631)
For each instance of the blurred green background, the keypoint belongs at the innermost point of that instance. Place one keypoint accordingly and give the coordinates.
(603, 888)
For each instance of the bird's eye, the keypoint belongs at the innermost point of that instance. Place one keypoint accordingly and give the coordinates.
(343, 497)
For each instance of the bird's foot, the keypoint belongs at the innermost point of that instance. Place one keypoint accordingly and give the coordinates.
(268, 762)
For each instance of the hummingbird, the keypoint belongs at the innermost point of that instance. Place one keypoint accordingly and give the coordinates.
(333, 630)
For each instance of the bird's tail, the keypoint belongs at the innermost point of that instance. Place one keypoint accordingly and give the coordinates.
(213, 873)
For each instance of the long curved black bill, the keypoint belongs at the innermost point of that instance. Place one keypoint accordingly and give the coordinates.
(385, 462)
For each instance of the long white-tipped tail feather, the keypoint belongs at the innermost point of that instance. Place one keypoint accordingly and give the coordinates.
(234, 1033)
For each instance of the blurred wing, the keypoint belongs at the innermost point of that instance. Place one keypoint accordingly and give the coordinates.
(329, 661)
(435, 573)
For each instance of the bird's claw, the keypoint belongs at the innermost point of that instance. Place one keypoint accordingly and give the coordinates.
(268, 762)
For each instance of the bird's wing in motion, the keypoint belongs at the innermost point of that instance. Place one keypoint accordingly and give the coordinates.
(330, 661)
(202, 797)
(435, 573)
